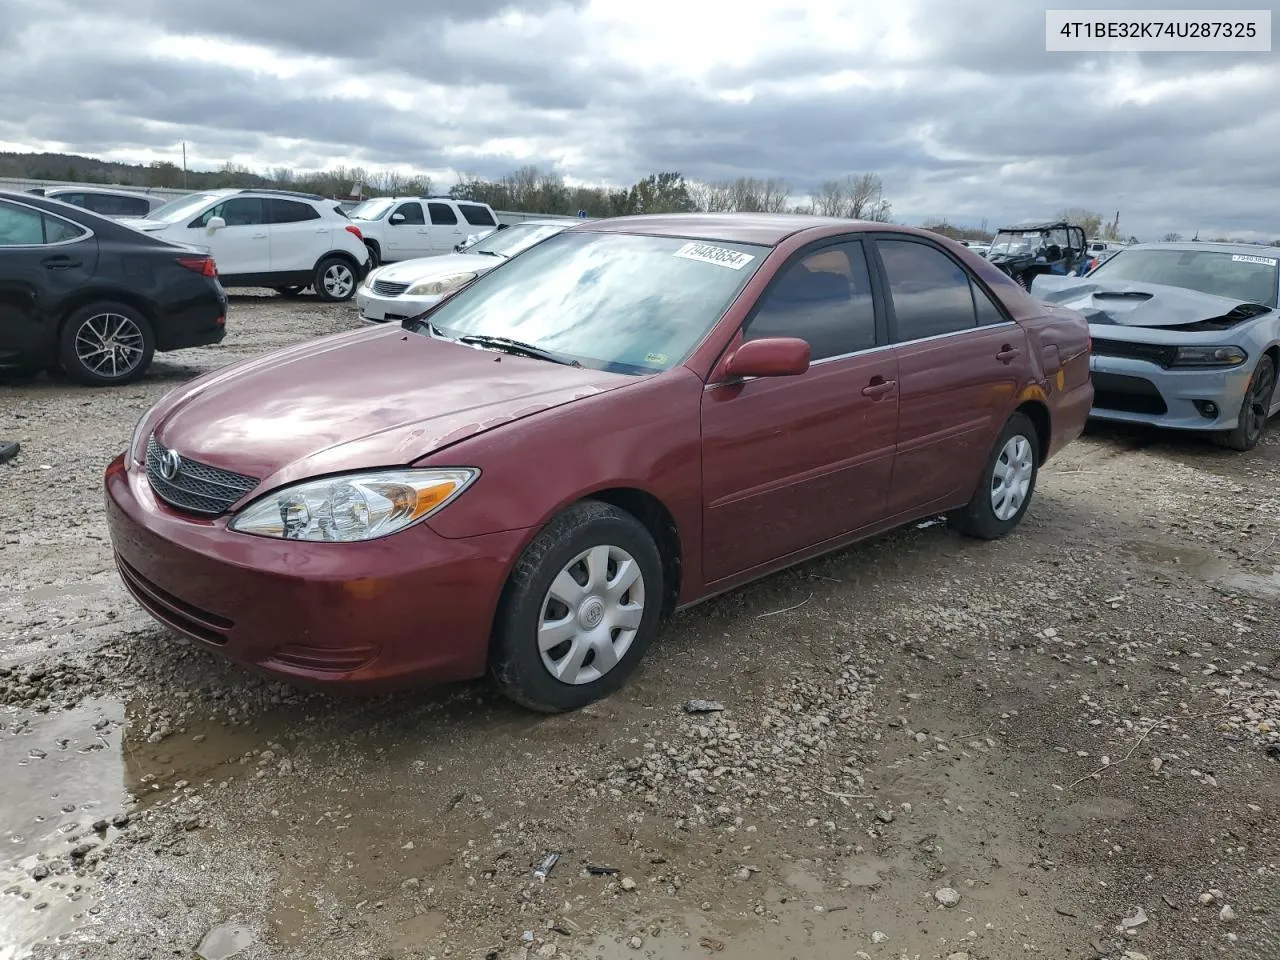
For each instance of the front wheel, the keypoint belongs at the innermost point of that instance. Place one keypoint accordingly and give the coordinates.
(335, 279)
(106, 344)
(1255, 410)
(1008, 481)
(579, 611)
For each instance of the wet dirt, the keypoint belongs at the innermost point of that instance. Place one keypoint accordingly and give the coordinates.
(917, 713)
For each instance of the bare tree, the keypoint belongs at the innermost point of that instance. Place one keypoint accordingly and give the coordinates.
(711, 197)
(1086, 220)
(1172, 237)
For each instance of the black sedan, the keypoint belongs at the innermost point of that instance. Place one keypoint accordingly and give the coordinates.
(95, 298)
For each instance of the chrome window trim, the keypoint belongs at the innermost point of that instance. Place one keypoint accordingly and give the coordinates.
(85, 235)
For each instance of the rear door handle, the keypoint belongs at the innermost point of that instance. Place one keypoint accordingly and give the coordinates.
(1008, 353)
(878, 388)
(59, 263)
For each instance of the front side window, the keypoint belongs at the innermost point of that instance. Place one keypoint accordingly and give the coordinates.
(237, 212)
(408, 213)
(442, 214)
(610, 301)
(930, 292)
(1239, 276)
(824, 299)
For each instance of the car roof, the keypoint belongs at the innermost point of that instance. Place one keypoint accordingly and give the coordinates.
(78, 188)
(1250, 249)
(768, 229)
(1038, 225)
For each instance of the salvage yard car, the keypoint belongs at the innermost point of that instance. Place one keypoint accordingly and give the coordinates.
(1185, 336)
(83, 295)
(1028, 250)
(627, 418)
(398, 291)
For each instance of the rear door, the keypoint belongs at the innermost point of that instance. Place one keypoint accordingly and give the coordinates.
(299, 235)
(407, 234)
(447, 231)
(243, 246)
(961, 361)
(43, 259)
(790, 462)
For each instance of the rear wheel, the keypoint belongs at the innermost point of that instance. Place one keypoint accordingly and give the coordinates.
(579, 611)
(1008, 481)
(105, 344)
(1254, 410)
(335, 279)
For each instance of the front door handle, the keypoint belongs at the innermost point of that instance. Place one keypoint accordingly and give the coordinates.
(259, 236)
(1007, 354)
(59, 263)
(878, 387)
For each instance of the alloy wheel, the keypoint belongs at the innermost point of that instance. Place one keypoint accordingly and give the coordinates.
(590, 614)
(110, 345)
(1011, 477)
(1258, 404)
(339, 281)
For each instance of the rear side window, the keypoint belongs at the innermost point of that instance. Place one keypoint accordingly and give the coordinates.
(20, 227)
(988, 310)
(291, 211)
(442, 214)
(60, 231)
(476, 215)
(111, 205)
(824, 299)
(76, 199)
(931, 293)
(408, 213)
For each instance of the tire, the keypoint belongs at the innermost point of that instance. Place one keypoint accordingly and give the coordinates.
(1253, 410)
(121, 329)
(554, 566)
(375, 258)
(1020, 443)
(335, 279)
(290, 291)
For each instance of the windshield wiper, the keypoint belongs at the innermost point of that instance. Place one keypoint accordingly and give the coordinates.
(517, 347)
(492, 253)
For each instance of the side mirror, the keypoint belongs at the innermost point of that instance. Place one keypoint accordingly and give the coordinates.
(396, 218)
(771, 357)
(215, 224)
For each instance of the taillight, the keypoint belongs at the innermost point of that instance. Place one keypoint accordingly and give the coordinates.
(201, 265)
(356, 230)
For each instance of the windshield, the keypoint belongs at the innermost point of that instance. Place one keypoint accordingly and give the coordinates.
(509, 242)
(182, 208)
(1237, 276)
(618, 302)
(1014, 243)
(371, 209)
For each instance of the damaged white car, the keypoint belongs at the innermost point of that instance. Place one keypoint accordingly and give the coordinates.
(1185, 336)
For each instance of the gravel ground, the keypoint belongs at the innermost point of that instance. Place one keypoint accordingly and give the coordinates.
(1063, 744)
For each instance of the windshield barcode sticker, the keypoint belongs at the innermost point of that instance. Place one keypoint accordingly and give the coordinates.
(1266, 260)
(721, 256)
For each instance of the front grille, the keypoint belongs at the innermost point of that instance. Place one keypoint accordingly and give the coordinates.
(385, 288)
(1113, 391)
(1156, 353)
(195, 487)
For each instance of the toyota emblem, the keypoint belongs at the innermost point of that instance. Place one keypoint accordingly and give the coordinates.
(170, 464)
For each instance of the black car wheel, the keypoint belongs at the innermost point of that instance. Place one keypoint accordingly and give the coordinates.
(1254, 410)
(580, 609)
(335, 279)
(105, 344)
(1007, 485)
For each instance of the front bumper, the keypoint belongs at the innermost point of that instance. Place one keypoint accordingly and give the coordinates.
(410, 608)
(1138, 391)
(375, 308)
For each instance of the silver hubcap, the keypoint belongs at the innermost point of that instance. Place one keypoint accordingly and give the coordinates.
(339, 280)
(590, 615)
(1011, 477)
(109, 345)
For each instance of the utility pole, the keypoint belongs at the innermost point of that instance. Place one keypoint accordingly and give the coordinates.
(184, 164)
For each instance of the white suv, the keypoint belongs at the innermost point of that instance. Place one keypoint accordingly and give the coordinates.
(405, 228)
(268, 238)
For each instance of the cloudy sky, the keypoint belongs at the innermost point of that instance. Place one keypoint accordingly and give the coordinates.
(955, 103)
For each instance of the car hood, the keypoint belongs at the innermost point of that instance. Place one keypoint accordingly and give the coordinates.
(1136, 304)
(380, 397)
(431, 268)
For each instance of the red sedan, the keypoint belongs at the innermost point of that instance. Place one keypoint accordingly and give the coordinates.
(627, 418)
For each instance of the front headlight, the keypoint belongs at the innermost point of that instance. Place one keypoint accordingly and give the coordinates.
(356, 506)
(1211, 356)
(433, 288)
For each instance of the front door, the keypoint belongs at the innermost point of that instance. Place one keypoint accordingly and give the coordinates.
(960, 363)
(407, 233)
(791, 462)
(243, 246)
(43, 260)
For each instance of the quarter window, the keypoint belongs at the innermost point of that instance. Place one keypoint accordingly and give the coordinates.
(824, 299)
(932, 295)
(408, 213)
(291, 211)
(442, 214)
(476, 215)
(60, 231)
(988, 310)
(237, 212)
